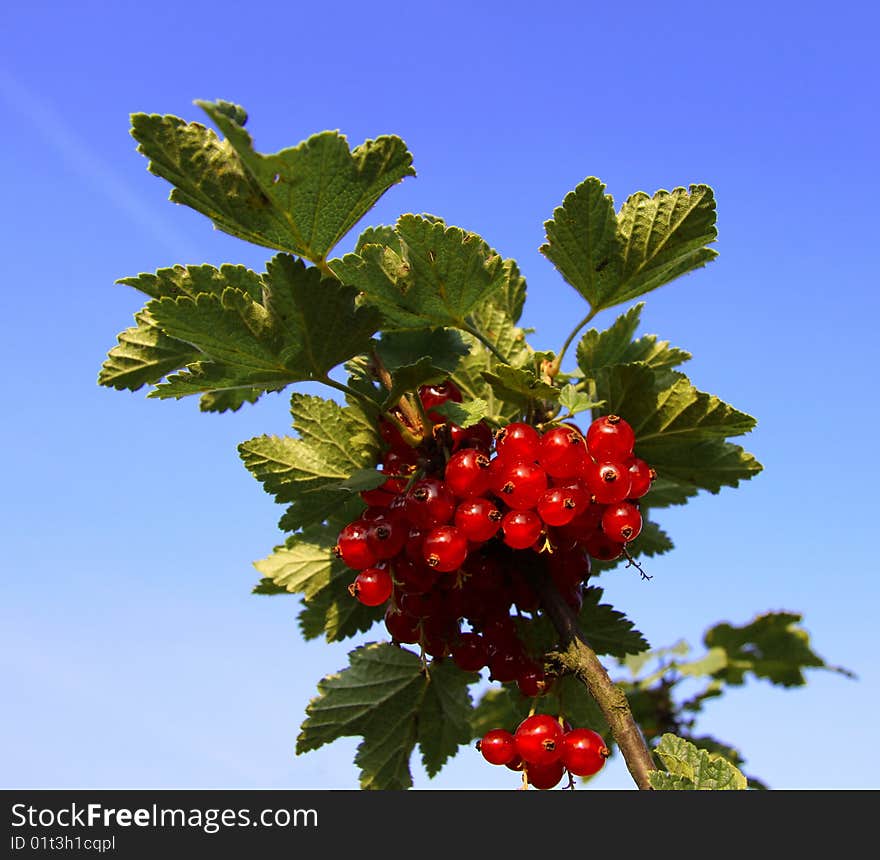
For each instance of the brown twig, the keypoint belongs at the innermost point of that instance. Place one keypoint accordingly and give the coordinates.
(577, 657)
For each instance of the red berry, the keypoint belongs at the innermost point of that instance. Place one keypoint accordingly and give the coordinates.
(538, 739)
(470, 652)
(478, 518)
(562, 451)
(445, 548)
(429, 503)
(434, 395)
(402, 627)
(497, 746)
(557, 506)
(467, 473)
(353, 546)
(545, 776)
(387, 535)
(519, 484)
(642, 476)
(610, 438)
(521, 528)
(532, 681)
(608, 481)
(603, 548)
(622, 522)
(372, 586)
(583, 752)
(518, 441)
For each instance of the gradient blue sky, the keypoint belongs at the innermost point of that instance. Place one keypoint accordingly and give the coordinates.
(132, 653)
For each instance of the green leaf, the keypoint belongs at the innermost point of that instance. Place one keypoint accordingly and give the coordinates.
(266, 586)
(311, 471)
(615, 345)
(302, 199)
(334, 614)
(443, 346)
(661, 238)
(189, 281)
(306, 325)
(410, 377)
(390, 700)
(576, 401)
(606, 629)
(679, 430)
(464, 414)
(436, 276)
(690, 768)
(519, 385)
(582, 242)
(772, 646)
(144, 354)
(230, 400)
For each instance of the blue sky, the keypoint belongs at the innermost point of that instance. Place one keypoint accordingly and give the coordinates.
(132, 652)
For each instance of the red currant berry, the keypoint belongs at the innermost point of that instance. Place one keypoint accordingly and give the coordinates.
(532, 681)
(372, 586)
(402, 627)
(353, 546)
(521, 528)
(470, 652)
(445, 548)
(478, 519)
(518, 441)
(622, 522)
(478, 436)
(434, 395)
(610, 438)
(467, 473)
(497, 746)
(562, 451)
(642, 476)
(603, 548)
(583, 752)
(545, 776)
(520, 484)
(609, 482)
(387, 535)
(429, 503)
(557, 507)
(538, 739)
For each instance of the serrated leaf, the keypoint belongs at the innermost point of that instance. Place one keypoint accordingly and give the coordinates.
(464, 414)
(306, 563)
(266, 586)
(685, 763)
(334, 443)
(772, 646)
(305, 326)
(606, 629)
(582, 241)
(335, 615)
(302, 199)
(519, 385)
(616, 345)
(386, 697)
(435, 276)
(410, 377)
(176, 281)
(576, 401)
(143, 355)
(443, 346)
(661, 238)
(679, 430)
(230, 400)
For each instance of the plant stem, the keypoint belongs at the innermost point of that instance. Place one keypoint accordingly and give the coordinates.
(341, 386)
(557, 362)
(577, 657)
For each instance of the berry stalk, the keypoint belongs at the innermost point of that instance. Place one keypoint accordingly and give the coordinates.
(578, 658)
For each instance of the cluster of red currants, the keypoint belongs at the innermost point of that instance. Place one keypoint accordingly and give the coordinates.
(463, 519)
(545, 748)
